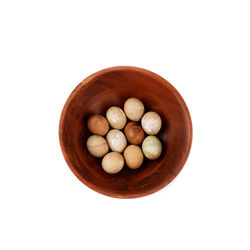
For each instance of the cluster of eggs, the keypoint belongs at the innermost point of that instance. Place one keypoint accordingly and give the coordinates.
(116, 140)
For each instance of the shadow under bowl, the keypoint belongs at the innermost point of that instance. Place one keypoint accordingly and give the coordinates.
(112, 87)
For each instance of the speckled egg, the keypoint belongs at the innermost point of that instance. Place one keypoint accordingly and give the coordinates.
(133, 156)
(116, 117)
(112, 162)
(151, 147)
(97, 146)
(134, 109)
(116, 140)
(151, 123)
(134, 133)
(98, 125)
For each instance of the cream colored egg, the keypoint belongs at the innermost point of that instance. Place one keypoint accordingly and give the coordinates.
(116, 140)
(134, 109)
(133, 156)
(116, 117)
(151, 147)
(97, 146)
(151, 123)
(112, 162)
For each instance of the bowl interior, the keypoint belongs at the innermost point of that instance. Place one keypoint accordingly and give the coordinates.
(112, 87)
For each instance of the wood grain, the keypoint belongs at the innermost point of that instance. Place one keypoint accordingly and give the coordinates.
(112, 87)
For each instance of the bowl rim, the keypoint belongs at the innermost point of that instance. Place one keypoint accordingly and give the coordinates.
(139, 70)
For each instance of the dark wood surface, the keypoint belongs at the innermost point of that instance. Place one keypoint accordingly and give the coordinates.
(112, 87)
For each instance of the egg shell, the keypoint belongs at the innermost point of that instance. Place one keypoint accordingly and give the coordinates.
(134, 133)
(116, 140)
(98, 125)
(97, 146)
(151, 147)
(133, 156)
(134, 109)
(116, 117)
(151, 123)
(112, 162)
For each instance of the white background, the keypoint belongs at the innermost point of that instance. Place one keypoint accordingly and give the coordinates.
(48, 47)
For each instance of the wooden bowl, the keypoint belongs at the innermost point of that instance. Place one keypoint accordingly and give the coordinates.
(112, 87)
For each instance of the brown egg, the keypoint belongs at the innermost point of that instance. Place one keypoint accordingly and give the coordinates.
(134, 109)
(98, 125)
(112, 162)
(133, 156)
(134, 133)
(116, 140)
(97, 146)
(151, 123)
(116, 117)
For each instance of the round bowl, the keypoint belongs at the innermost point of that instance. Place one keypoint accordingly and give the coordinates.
(112, 87)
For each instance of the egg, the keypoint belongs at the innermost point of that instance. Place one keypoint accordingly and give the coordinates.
(151, 147)
(116, 117)
(112, 162)
(116, 140)
(133, 156)
(134, 109)
(134, 133)
(98, 125)
(97, 146)
(151, 123)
